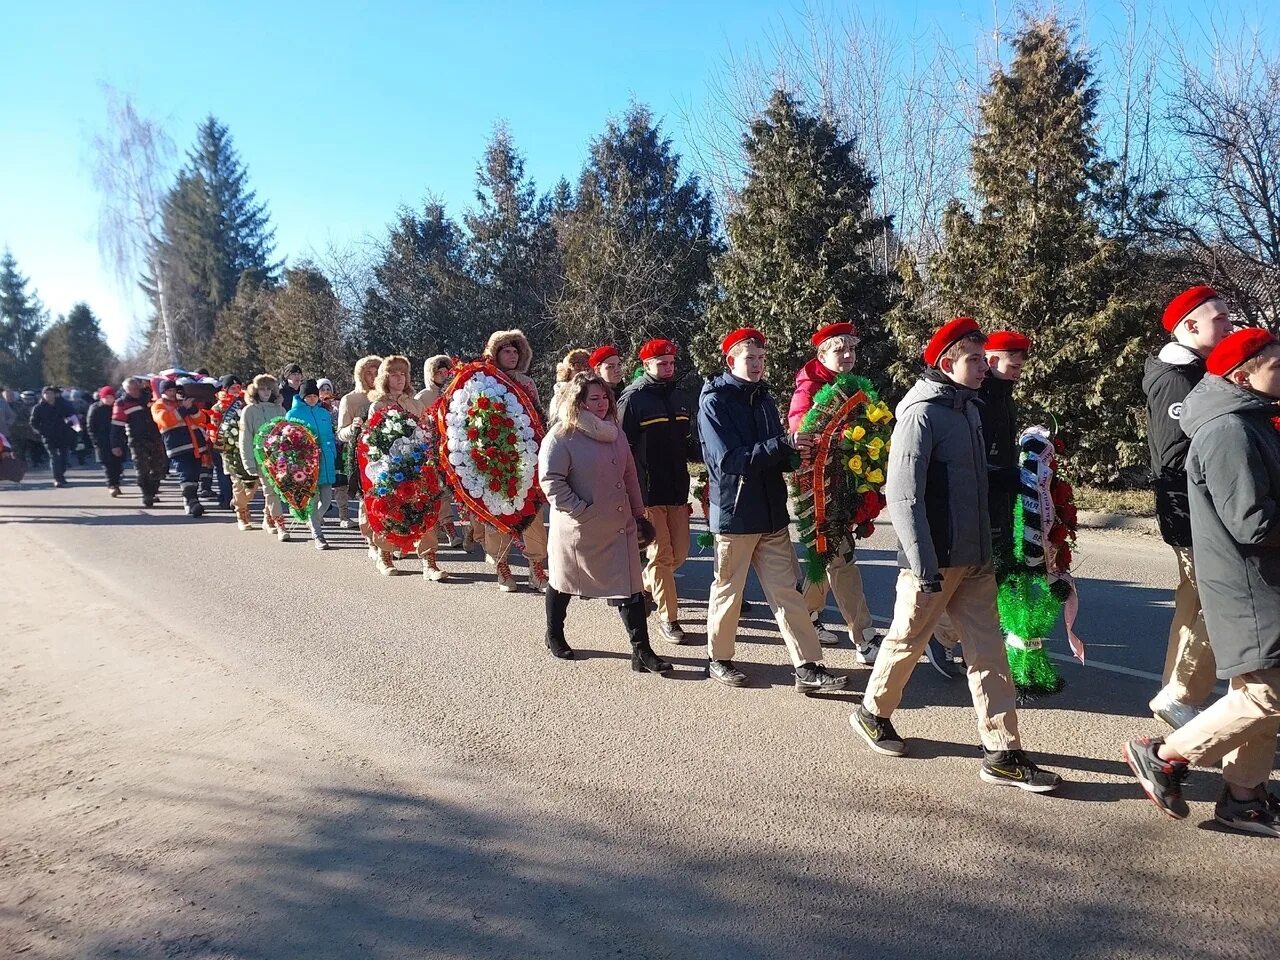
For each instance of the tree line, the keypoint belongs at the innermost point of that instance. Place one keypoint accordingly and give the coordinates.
(1044, 198)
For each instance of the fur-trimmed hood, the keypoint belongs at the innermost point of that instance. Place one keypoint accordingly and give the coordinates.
(502, 338)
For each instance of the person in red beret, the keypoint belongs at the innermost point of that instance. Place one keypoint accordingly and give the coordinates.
(937, 501)
(1197, 321)
(1233, 471)
(747, 452)
(98, 424)
(837, 352)
(658, 419)
(606, 361)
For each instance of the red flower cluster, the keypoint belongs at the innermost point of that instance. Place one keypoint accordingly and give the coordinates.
(869, 507)
(1063, 532)
(499, 459)
(401, 517)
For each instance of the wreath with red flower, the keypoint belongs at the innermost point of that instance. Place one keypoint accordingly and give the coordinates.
(396, 455)
(288, 456)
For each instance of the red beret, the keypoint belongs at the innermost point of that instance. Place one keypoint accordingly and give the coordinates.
(957, 329)
(735, 338)
(833, 330)
(1236, 349)
(657, 348)
(1184, 303)
(1009, 340)
(601, 354)
(107, 391)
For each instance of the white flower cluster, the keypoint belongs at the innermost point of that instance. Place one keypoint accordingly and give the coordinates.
(459, 418)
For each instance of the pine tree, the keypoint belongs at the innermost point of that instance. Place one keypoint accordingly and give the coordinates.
(74, 352)
(22, 318)
(637, 244)
(236, 330)
(801, 239)
(303, 324)
(1034, 257)
(214, 229)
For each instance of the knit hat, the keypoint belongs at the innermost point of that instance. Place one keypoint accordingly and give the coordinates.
(601, 354)
(1184, 303)
(738, 336)
(1008, 341)
(833, 330)
(107, 391)
(324, 383)
(309, 388)
(658, 348)
(228, 380)
(1236, 349)
(951, 332)
(164, 385)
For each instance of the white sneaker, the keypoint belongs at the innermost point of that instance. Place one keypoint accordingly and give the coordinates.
(374, 555)
(869, 648)
(1171, 710)
(825, 637)
(346, 523)
(282, 533)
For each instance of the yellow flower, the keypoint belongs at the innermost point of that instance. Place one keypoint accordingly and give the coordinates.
(875, 476)
(873, 412)
(885, 413)
(855, 464)
(875, 447)
(856, 433)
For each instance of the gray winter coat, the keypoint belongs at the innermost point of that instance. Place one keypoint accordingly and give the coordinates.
(1233, 473)
(937, 479)
(252, 418)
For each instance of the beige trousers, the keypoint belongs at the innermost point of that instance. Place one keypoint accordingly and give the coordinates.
(497, 545)
(669, 549)
(845, 581)
(968, 596)
(431, 539)
(774, 559)
(1190, 671)
(1240, 729)
(242, 492)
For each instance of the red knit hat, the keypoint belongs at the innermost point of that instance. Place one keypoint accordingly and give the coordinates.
(739, 335)
(833, 330)
(951, 332)
(1184, 303)
(658, 348)
(107, 391)
(1008, 341)
(1236, 349)
(601, 354)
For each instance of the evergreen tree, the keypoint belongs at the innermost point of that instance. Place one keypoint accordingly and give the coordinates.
(637, 244)
(801, 238)
(237, 328)
(213, 230)
(74, 352)
(22, 318)
(1035, 258)
(303, 324)
(512, 249)
(421, 301)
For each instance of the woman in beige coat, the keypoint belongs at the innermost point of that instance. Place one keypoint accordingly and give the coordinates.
(353, 410)
(587, 473)
(436, 373)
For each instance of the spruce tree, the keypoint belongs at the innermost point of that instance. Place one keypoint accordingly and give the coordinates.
(74, 353)
(801, 237)
(1034, 258)
(237, 329)
(303, 324)
(22, 318)
(637, 244)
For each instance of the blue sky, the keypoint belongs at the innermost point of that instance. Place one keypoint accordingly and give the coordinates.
(345, 111)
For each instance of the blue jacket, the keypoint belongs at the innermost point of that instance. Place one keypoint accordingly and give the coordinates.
(746, 451)
(320, 421)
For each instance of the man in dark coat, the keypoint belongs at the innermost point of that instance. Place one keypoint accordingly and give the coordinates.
(131, 423)
(1197, 320)
(98, 426)
(55, 420)
(1233, 468)
(657, 417)
(747, 451)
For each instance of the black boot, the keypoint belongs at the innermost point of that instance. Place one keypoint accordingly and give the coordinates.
(557, 606)
(636, 617)
(194, 508)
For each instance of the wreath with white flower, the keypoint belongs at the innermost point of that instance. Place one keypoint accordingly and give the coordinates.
(396, 455)
(490, 431)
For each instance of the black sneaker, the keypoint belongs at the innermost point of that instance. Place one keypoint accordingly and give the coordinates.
(725, 672)
(1160, 779)
(940, 658)
(878, 732)
(1248, 816)
(1011, 768)
(812, 677)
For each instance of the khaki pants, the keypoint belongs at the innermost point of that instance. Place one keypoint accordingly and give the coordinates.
(845, 581)
(1240, 729)
(497, 545)
(669, 549)
(774, 560)
(968, 596)
(1190, 671)
(431, 539)
(242, 492)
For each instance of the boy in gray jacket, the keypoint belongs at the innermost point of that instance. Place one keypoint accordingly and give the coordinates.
(1233, 469)
(937, 493)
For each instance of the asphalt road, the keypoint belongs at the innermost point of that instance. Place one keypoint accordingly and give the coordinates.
(402, 771)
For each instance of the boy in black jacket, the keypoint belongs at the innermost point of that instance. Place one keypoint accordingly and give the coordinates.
(1197, 320)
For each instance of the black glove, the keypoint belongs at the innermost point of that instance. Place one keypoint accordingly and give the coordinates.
(929, 586)
(645, 532)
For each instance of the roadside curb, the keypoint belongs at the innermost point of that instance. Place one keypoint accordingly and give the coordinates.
(1102, 520)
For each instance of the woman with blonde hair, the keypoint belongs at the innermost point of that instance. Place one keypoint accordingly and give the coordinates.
(262, 405)
(436, 373)
(574, 362)
(353, 410)
(597, 518)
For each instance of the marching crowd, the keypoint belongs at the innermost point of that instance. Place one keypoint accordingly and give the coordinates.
(614, 471)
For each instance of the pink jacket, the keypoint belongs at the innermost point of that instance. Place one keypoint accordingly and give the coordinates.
(813, 376)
